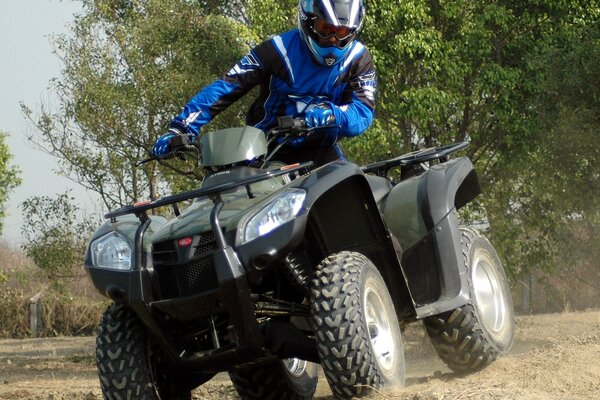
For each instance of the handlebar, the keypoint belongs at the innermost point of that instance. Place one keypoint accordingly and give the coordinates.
(291, 128)
(287, 128)
(291, 123)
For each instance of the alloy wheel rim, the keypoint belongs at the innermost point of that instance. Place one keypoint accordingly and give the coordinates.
(379, 329)
(488, 293)
(295, 366)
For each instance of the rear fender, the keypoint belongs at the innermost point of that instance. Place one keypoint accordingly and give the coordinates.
(421, 213)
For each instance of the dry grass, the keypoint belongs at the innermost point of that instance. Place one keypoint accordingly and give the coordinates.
(76, 311)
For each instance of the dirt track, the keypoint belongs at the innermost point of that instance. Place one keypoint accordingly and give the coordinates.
(556, 356)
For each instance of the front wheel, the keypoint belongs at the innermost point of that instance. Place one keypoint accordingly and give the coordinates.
(131, 366)
(470, 337)
(355, 325)
(290, 379)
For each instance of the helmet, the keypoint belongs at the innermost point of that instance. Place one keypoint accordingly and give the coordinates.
(329, 27)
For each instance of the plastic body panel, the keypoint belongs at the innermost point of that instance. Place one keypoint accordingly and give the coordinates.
(421, 214)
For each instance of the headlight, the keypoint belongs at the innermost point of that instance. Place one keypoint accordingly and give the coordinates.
(111, 251)
(277, 212)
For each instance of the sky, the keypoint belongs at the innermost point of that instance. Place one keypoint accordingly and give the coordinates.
(27, 64)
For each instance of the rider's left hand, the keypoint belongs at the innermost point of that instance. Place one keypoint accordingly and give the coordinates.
(319, 116)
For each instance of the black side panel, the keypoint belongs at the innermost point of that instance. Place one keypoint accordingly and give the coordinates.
(448, 186)
(468, 190)
(435, 264)
(421, 269)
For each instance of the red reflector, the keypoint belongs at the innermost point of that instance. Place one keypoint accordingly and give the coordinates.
(184, 242)
(286, 167)
(142, 203)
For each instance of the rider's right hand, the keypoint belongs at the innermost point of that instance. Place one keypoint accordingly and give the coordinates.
(162, 146)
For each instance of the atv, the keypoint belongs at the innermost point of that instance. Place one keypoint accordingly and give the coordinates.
(268, 270)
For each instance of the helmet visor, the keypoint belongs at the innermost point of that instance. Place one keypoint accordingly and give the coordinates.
(325, 30)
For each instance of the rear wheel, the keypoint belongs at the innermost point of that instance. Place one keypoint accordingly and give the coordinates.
(131, 366)
(470, 337)
(290, 379)
(355, 324)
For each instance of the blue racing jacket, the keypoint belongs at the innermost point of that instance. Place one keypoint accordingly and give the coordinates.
(290, 83)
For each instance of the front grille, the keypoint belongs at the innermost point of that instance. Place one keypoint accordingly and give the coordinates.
(182, 278)
(164, 253)
(187, 279)
(206, 244)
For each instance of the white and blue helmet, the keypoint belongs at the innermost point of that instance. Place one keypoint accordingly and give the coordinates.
(329, 27)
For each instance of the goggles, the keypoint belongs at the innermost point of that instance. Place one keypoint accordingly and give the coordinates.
(326, 30)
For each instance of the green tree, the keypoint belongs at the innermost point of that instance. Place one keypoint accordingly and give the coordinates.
(490, 72)
(9, 176)
(128, 68)
(551, 203)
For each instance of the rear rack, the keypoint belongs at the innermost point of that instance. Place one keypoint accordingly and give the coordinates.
(416, 157)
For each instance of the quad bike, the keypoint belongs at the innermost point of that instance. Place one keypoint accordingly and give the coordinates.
(268, 270)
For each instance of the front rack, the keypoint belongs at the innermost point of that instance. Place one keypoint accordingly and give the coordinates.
(213, 192)
(140, 209)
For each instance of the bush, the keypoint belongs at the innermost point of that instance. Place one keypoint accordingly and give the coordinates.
(14, 313)
(61, 315)
(69, 316)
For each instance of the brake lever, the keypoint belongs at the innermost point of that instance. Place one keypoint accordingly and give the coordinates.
(145, 161)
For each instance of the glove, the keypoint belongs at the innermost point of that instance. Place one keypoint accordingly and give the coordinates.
(162, 145)
(319, 116)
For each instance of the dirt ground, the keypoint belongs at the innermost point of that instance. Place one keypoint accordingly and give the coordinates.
(556, 356)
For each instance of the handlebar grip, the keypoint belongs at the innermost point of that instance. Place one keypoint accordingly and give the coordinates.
(177, 141)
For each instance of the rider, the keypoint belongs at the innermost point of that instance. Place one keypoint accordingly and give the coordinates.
(335, 89)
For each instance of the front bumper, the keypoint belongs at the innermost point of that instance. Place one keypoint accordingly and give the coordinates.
(235, 270)
(136, 288)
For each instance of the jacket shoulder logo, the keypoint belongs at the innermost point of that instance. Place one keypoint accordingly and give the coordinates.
(249, 61)
(247, 64)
